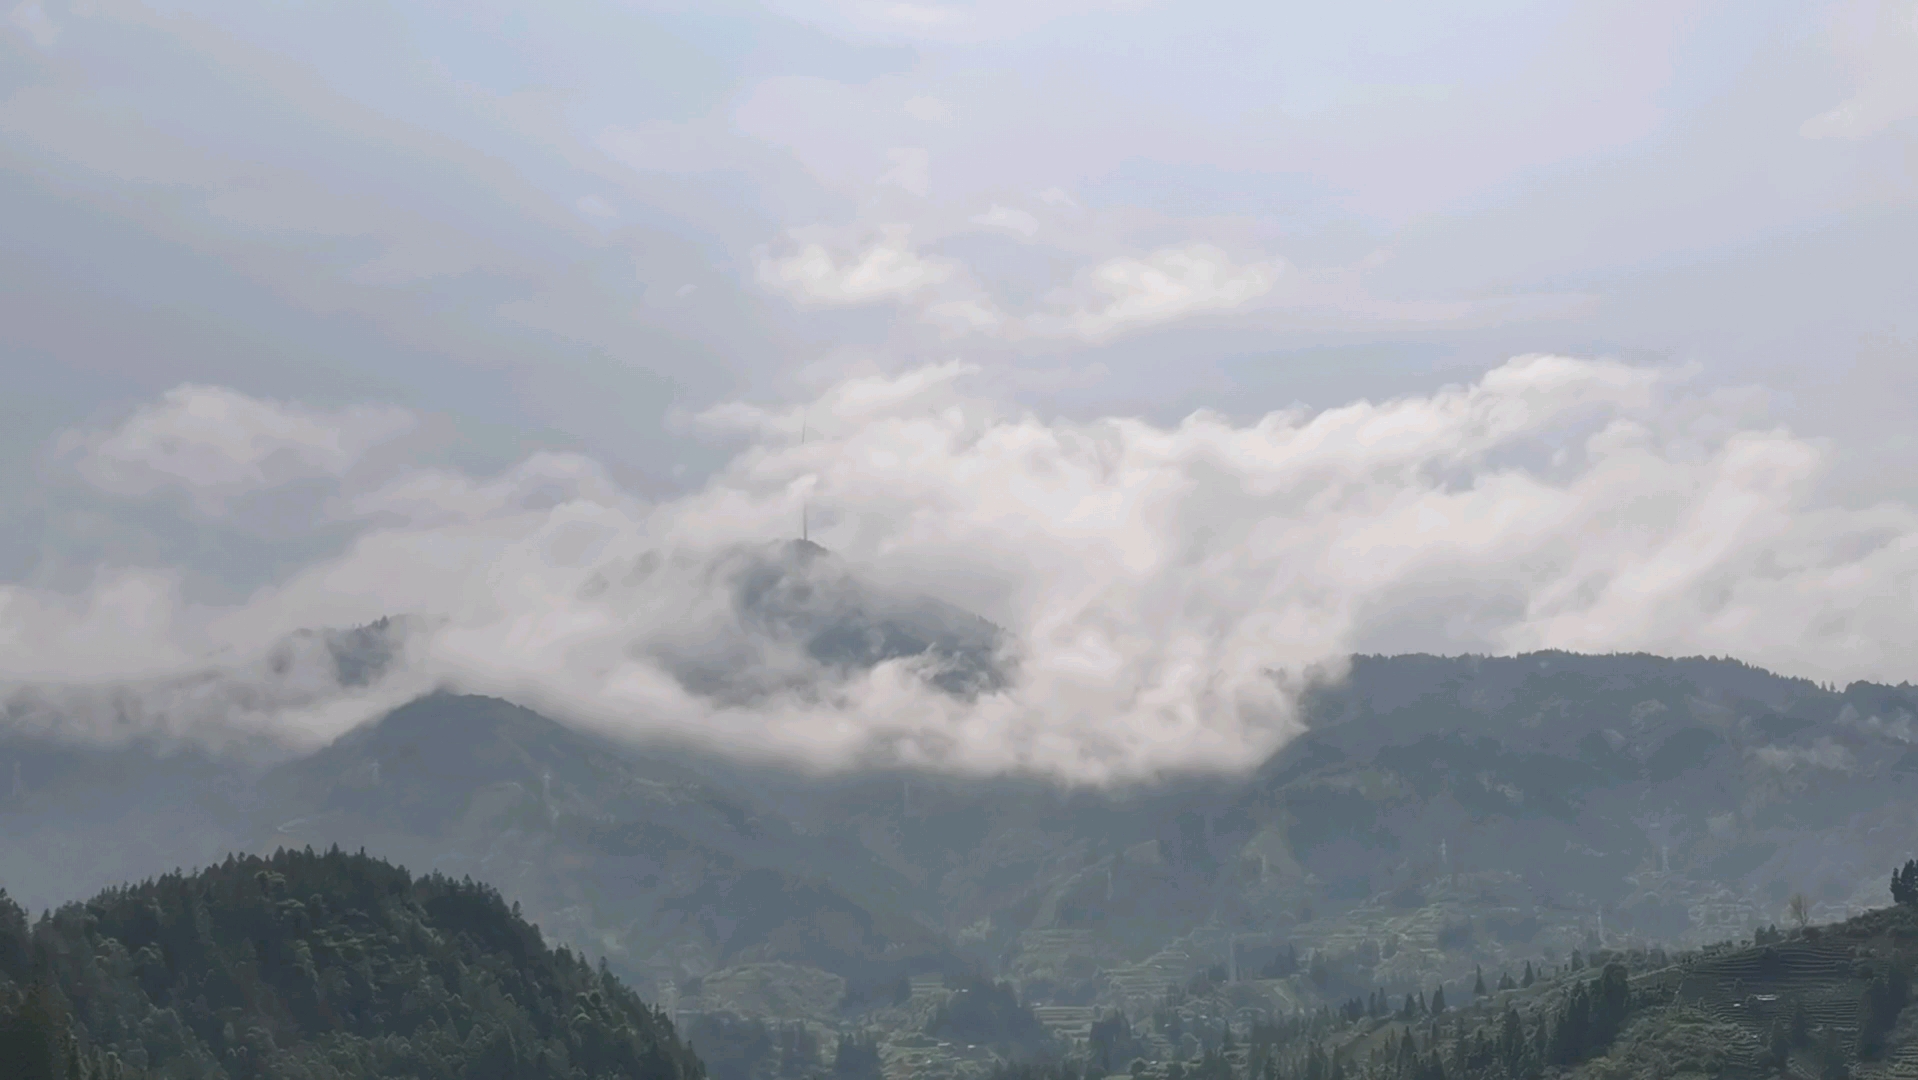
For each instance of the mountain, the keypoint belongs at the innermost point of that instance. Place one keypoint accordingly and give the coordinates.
(1439, 815)
(758, 619)
(633, 853)
(94, 791)
(77, 818)
(1614, 784)
(313, 966)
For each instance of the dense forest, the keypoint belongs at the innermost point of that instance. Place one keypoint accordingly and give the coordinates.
(311, 966)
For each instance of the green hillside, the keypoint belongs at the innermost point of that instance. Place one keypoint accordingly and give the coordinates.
(1819, 1003)
(305, 966)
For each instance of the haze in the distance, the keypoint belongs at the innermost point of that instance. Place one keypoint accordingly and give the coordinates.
(1194, 346)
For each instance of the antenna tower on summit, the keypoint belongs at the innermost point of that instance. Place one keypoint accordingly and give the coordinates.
(805, 504)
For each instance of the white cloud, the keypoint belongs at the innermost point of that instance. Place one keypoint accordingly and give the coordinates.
(216, 444)
(1169, 284)
(131, 659)
(1164, 588)
(1882, 52)
(127, 624)
(1009, 218)
(437, 496)
(885, 267)
(968, 316)
(1114, 296)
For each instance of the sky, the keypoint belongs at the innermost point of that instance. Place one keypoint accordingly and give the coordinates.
(1198, 345)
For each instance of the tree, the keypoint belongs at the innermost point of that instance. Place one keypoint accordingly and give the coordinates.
(1610, 1003)
(857, 1058)
(1112, 1041)
(1511, 1040)
(1904, 883)
(1478, 982)
(32, 1040)
(1320, 971)
(1884, 999)
(1779, 1045)
(1529, 978)
(268, 946)
(1438, 1000)
(1800, 910)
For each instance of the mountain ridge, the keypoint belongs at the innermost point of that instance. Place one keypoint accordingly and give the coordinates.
(1439, 812)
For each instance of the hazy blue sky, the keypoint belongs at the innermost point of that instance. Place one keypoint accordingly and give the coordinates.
(579, 227)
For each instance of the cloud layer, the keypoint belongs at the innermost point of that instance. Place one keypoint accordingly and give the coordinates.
(215, 445)
(1164, 591)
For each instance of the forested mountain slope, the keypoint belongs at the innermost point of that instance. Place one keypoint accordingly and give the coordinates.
(316, 967)
(1438, 815)
(1817, 1003)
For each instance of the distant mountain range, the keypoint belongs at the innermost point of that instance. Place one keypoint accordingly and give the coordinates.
(1440, 813)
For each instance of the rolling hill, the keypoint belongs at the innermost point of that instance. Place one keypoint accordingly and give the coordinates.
(317, 966)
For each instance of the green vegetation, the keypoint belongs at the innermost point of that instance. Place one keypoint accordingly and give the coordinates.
(1450, 837)
(984, 1013)
(306, 966)
(748, 1048)
(1823, 1002)
(1904, 883)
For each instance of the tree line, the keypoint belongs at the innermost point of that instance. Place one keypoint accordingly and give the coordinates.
(314, 966)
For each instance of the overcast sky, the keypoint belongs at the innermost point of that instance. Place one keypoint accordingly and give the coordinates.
(1183, 339)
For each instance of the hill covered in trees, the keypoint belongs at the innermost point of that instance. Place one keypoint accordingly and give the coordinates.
(305, 966)
(1816, 1003)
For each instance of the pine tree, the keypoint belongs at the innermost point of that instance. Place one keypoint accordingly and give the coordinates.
(1529, 976)
(1779, 1045)
(1904, 883)
(1438, 1001)
(33, 1041)
(1478, 982)
(1511, 1040)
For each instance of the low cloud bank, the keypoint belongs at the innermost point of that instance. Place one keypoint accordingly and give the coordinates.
(1153, 597)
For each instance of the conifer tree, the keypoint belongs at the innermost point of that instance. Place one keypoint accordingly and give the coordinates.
(1904, 883)
(33, 1040)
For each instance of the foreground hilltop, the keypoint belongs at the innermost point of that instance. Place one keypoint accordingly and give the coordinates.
(316, 966)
